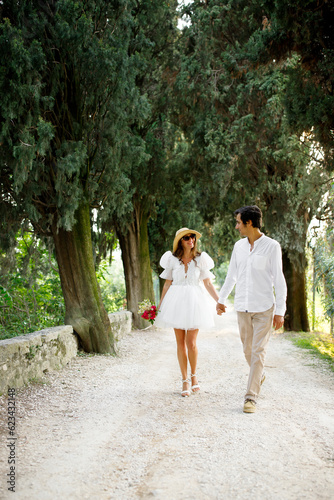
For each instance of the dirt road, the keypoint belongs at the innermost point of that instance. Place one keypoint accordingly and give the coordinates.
(117, 428)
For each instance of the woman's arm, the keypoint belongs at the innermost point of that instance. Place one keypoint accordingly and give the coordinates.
(164, 291)
(211, 289)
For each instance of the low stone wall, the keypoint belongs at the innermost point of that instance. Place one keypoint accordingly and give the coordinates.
(121, 324)
(27, 357)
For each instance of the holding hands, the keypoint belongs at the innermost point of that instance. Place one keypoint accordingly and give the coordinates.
(278, 321)
(220, 308)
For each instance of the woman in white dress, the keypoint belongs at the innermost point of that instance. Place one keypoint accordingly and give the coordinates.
(184, 304)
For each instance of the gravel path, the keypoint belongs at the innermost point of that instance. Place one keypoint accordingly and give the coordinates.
(117, 428)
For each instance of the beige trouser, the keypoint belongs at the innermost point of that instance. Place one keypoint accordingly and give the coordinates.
(255, 330)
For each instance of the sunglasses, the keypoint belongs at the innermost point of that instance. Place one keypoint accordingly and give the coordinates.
(192, 236)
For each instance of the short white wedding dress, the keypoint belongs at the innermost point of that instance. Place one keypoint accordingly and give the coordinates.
(187, 305)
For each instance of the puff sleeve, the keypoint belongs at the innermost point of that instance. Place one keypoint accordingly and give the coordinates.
(166, 262)
(205, 264)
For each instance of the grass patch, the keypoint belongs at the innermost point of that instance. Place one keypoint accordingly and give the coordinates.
(320, 345)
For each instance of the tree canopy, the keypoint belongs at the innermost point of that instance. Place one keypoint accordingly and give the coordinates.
(109, 112)
(68, 87)
(69, 94)
(235, 112)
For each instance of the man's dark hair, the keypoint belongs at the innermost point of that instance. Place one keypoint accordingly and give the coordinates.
(252, 213)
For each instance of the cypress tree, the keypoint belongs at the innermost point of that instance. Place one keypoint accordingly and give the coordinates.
(153, 37)
(242, 145)
(67, 83)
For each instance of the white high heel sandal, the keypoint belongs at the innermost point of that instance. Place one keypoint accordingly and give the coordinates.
(194, 386)
(185, 393)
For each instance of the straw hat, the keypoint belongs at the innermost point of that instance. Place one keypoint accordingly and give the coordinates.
(182, 232)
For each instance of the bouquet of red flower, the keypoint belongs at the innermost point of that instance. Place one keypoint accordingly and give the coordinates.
(148, 311)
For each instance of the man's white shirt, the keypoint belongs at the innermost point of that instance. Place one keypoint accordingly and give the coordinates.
(255, 273)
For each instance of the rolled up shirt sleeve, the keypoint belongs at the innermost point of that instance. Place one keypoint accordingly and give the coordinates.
(258, 275)
(279, 281)
(230, 279)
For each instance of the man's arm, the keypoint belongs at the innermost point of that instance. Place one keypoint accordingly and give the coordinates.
(228, 285)
(280, 287)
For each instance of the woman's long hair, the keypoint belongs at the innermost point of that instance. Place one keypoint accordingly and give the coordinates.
(180, 251)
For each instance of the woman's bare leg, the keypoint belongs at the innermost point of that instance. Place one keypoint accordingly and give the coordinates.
(180, 336)
(191, 341)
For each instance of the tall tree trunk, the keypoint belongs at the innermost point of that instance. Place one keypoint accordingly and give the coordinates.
(84, 308)
(296, 318)
(136, 262)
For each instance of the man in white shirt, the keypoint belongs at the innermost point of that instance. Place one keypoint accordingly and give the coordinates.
(255, 268)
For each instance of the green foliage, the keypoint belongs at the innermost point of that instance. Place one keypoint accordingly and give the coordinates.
(30, 291)
(238, 101)
(177, 210)
(221, 273)
(320, 346)
(305, 28)
(70, 111)
(317, 318)
(234, 113)
(324, 269)
(112, 285)
(152, 38)
(67, 81)
(105, 103)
